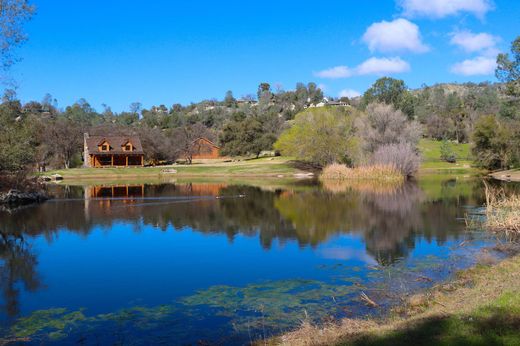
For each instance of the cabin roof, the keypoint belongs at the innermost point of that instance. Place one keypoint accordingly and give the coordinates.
(116, 144)
(204, 139)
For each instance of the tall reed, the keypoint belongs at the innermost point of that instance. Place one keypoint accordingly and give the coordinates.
(502, 211)
(386, 173)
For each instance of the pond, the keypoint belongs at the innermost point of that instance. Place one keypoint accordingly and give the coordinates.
(220, 263)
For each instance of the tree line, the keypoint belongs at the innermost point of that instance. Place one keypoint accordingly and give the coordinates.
(40, 134)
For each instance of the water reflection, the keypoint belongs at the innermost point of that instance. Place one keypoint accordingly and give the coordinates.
(387, 221)
(390, 221)
(17, 267)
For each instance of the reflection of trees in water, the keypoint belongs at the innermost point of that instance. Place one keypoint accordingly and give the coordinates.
(389, 221)
(17, 266)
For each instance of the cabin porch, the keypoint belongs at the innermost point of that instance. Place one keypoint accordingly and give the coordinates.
(116, 160)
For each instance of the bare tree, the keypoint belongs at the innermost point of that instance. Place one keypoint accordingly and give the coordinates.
(402, 156)
(64, 138)
(13, 14)
(383, 124)
(184, 139)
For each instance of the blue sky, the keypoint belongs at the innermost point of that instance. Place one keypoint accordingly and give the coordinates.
(165, 52)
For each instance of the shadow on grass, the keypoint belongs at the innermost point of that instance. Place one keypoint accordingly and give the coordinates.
(305, 166)
(490, 326)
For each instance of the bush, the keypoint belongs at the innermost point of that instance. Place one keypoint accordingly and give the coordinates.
(383, 125)
(401, 156)
(320, 136)
(447, 153)
(337, 171)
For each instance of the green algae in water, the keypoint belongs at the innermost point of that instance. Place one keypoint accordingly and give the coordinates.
(275, 304)
(52, 321)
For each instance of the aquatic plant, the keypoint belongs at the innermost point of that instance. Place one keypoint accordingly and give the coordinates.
(502, 211)
(279, 304)
(52, 321)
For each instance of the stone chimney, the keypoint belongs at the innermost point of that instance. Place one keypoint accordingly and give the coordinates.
(86, 156)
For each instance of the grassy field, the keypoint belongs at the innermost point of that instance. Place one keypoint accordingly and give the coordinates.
(431, 155)
(480, 307)
(263, 167)
(274, 167)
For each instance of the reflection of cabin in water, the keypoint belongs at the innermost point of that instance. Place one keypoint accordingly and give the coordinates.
(112, 151)
(203, 148)
(116, 191)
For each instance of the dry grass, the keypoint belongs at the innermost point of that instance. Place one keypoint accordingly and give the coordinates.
(502, 211)
(387, 173)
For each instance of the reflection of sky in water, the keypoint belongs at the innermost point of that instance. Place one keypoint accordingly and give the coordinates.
(138, 258)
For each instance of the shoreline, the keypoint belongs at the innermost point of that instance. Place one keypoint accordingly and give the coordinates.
(512, 175)
(450, 311)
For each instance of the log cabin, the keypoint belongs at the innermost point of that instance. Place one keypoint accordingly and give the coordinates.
(112, 151)
(203, 148)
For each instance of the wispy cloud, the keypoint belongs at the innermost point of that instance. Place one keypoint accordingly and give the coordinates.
(335, 72)
(382, 66)
(350, 93)
(443, 8)
(478, 66)
(472, 43)
(399, 35)
(372, 66)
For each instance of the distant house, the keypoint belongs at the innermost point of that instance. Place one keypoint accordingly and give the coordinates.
(112, 151)
(203, 148)
(328, 103)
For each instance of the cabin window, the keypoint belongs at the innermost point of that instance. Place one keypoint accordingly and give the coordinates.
(104, 147)
(128, 147)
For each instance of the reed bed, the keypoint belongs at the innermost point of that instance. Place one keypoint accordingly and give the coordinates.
(502, 211)
(386, 173)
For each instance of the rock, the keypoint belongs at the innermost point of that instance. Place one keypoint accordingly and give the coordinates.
(169, 171)
(15, 197)
(56, 177)
(304, 175)
(45, 178)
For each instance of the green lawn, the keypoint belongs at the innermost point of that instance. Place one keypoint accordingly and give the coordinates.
(431, 155)
(262, 167)
(273, 167)
(496, 323)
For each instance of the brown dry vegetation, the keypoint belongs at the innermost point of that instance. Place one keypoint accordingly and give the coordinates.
(386, 173)
(502, 211)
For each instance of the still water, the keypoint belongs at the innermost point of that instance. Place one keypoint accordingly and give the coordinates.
(216, 263)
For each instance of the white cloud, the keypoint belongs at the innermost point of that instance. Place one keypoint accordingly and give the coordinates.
(372, 66)
(350, 93)
(382, 66)
(394, 36)
(335, 72)
(471, 43)
(444, 8)
(478, 66)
